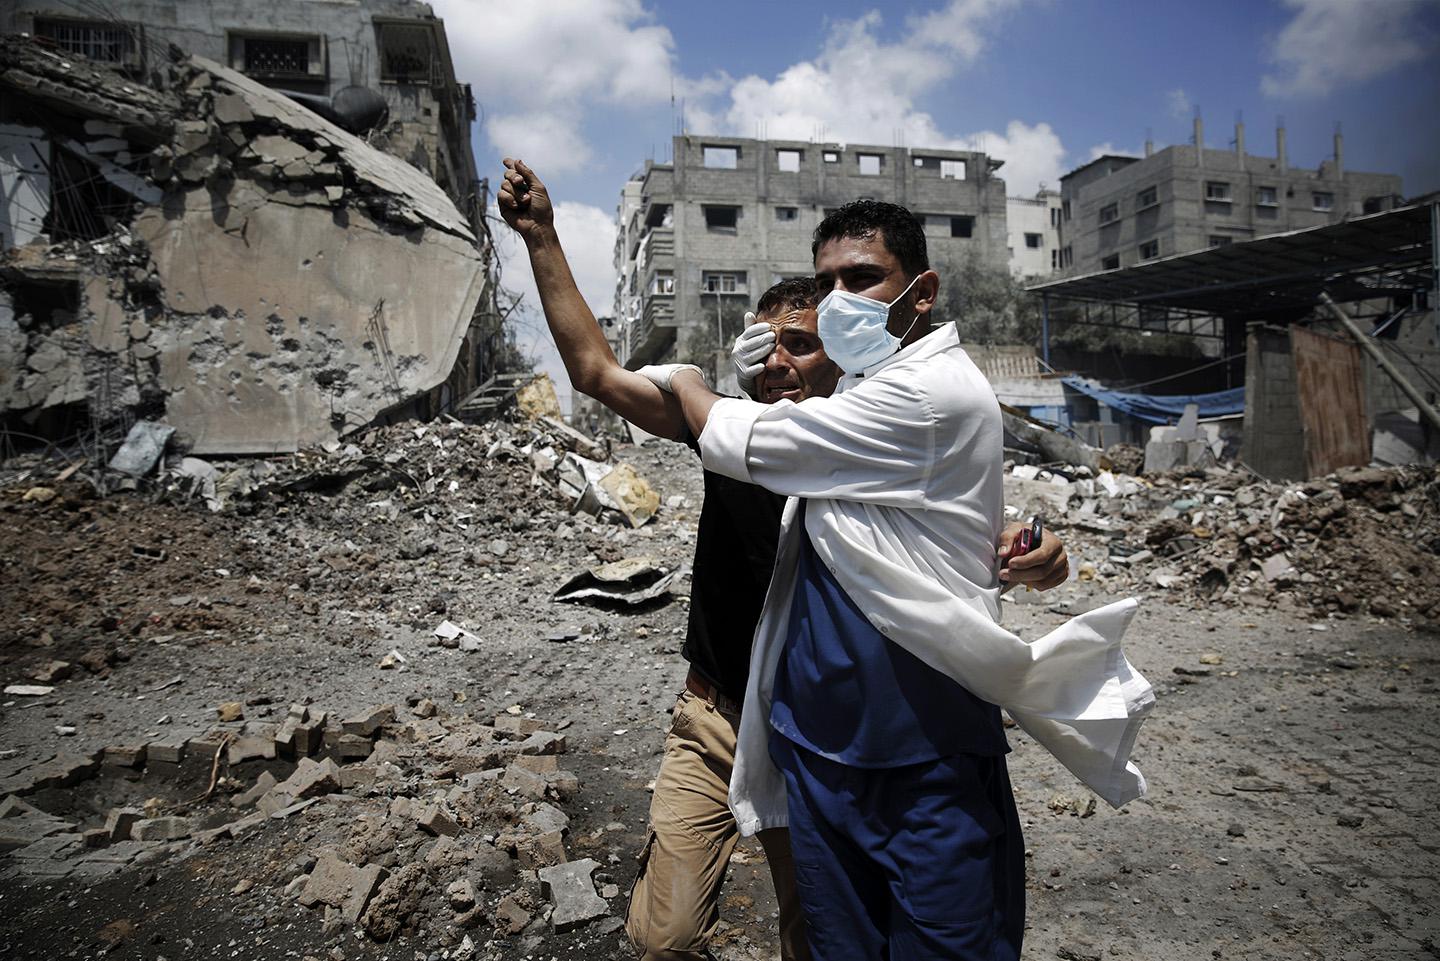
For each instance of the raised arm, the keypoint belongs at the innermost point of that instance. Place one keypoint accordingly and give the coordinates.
(525, 204)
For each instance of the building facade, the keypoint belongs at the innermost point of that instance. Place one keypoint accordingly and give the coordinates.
(1119, 211)
(701, 238)
(1033, 225)
(379, 68)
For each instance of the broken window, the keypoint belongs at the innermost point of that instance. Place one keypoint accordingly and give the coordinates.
(723, 282)
(658, 215)
(871, 164)
(962, 226)
(1149, 250)
(105, 41)
(1322, 201)
(407, 54)
(277, 56)
(663, 282)
(1109, 213)
(1148, 197)
(787, 214)
(1110, 263)
(1218, 191)
(44, 305)
(722, 158)
(721, 219)
(948, 169)
(84, 205)
(1265, 197)
(789, 160)
(1034, 241)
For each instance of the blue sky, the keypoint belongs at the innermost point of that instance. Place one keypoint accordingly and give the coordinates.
(582, 88)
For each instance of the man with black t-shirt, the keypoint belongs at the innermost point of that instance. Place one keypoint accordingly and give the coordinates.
(674, 907)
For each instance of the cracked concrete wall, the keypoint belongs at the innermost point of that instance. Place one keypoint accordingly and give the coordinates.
(291, 284)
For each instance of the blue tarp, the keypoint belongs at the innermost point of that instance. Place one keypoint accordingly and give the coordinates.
(1162, 408)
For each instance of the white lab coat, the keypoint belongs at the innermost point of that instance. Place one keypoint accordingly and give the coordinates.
(903, 471)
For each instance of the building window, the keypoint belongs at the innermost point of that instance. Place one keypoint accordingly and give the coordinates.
(1322, 201)
(104, 41)
(1110, 263)
(1054, 260)
(406, 52)
(279, 57)
(787, 214)
(789, 160)
(962, 226)
(831, 157)
(1055, 217)
(1109, 213)
(1265, 197)
(721, 219)
(1034, 241)
(871, 164)
(722, 282)
(1220, 240)
(1149, 250)
(663, 283)
(948, 169)
(1067, 256)
(1148, 197)
(721, 158)
(1218, 191)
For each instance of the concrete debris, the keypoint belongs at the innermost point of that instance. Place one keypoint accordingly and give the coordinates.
(28, 690)
(632, 581)
(340, 885)
(142, 448)
(571, 890)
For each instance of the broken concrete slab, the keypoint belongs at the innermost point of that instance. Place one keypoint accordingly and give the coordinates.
(366, 723)
(142, 448)
(434, 819)
(259, 789)
(311, 779)
(162, 829)
(342, 886)
(571, 890)
(120, 823)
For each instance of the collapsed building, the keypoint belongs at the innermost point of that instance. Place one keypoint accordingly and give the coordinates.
(183, 242)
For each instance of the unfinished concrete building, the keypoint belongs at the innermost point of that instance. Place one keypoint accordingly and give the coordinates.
(701, 238)
(1033, 224)
(265, 255)
(1120, 211)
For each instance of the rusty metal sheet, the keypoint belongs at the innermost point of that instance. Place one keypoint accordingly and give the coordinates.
(1330, 382)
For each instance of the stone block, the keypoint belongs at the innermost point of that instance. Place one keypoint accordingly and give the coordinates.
(543, 742)
(366, 723)
(125, 755)
(540, 850)
(571, 890)
(169, 751)
(564, 783)
(161, 829)
(230, 711)
(312, 779)
(434, 819)
(256, 791)
(539, 763)
(353, 747)
(120, 823)
(511, 917)
(250, 748)
(515, 724)
(523, 782)
(546, 818)
(342, 886)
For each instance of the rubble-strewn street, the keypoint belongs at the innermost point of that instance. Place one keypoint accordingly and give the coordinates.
(325, 705)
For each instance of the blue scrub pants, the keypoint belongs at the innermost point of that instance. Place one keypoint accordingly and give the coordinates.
(917, 862)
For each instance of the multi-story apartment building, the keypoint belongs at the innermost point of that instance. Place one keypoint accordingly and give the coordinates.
(1033, 224)
(699, 239)
(1119, 211)
(380, 68)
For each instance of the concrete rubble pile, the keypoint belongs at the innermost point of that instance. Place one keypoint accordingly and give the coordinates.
(257, 277)
(412, 818)
(1360, 541)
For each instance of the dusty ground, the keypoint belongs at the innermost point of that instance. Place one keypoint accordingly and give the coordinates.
(1291, 769)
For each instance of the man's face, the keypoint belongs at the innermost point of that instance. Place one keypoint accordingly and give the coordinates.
(797, 368)
(862, 265)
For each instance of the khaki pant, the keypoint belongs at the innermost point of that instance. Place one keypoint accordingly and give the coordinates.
(675, 904)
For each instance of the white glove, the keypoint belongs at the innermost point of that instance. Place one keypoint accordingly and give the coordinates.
(754, 344)
(661, 374)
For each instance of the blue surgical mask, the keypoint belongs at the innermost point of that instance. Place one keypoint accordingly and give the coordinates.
(854, 329)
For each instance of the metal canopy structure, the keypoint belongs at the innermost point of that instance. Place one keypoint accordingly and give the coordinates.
(1390, 254)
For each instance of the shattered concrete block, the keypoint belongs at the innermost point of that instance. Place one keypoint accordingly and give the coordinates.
(424, 730)
(636, 500)
(259, 789)
(125, 755)
(310, 734)
(273, 802)
(342, 886)
(564, 783)
(358, 778)
(120, 823)
(543, 742)
(250, 748)
(571, 890)
(461, 894)
(67, 770)
(168, 751)
(433, 819)
(312, 779)
(366, 723)
(95, 838)
(425, 708)
(540, 850)
(161, 829)
(352, 747)
(231, 711)
(229, 108)
(511, 917)
(546, 818)
(396, 900)
(539, 763)
(523, 782)
(513, 724)
(53, 671)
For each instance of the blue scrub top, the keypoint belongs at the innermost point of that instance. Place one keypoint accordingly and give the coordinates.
(846, 692)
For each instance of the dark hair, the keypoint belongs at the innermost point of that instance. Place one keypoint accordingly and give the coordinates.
(797, 293)
(899, 229)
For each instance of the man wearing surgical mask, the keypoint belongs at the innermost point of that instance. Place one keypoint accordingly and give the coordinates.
(871, 722)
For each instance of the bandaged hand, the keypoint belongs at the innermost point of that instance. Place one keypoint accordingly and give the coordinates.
(661, 374)
(751, 348)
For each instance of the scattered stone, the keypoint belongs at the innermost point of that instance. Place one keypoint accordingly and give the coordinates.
(571, 890)
(510, 917)
(161, 829)
(366, 723)
(259, 789)
(28, 690)
(342, 886)
(231, 711)
(311, 778)
(461, 894)
(433, 819)
(424, 709)
(53, 671)
(395, 901)
(120, 823)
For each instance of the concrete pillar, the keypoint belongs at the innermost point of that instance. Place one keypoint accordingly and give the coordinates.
(1339, 153)
(1199, 137)
(1149, 147)
(1240, 143)
(1280, 147)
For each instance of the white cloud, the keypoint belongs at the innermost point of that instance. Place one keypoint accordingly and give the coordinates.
(1177, 103)
(537, 67)
(861, 88)
(588, 236)
(1334, 42)
(1108, 149)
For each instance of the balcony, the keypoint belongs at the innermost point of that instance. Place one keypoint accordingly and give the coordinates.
(652, 330)
(662, 242)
